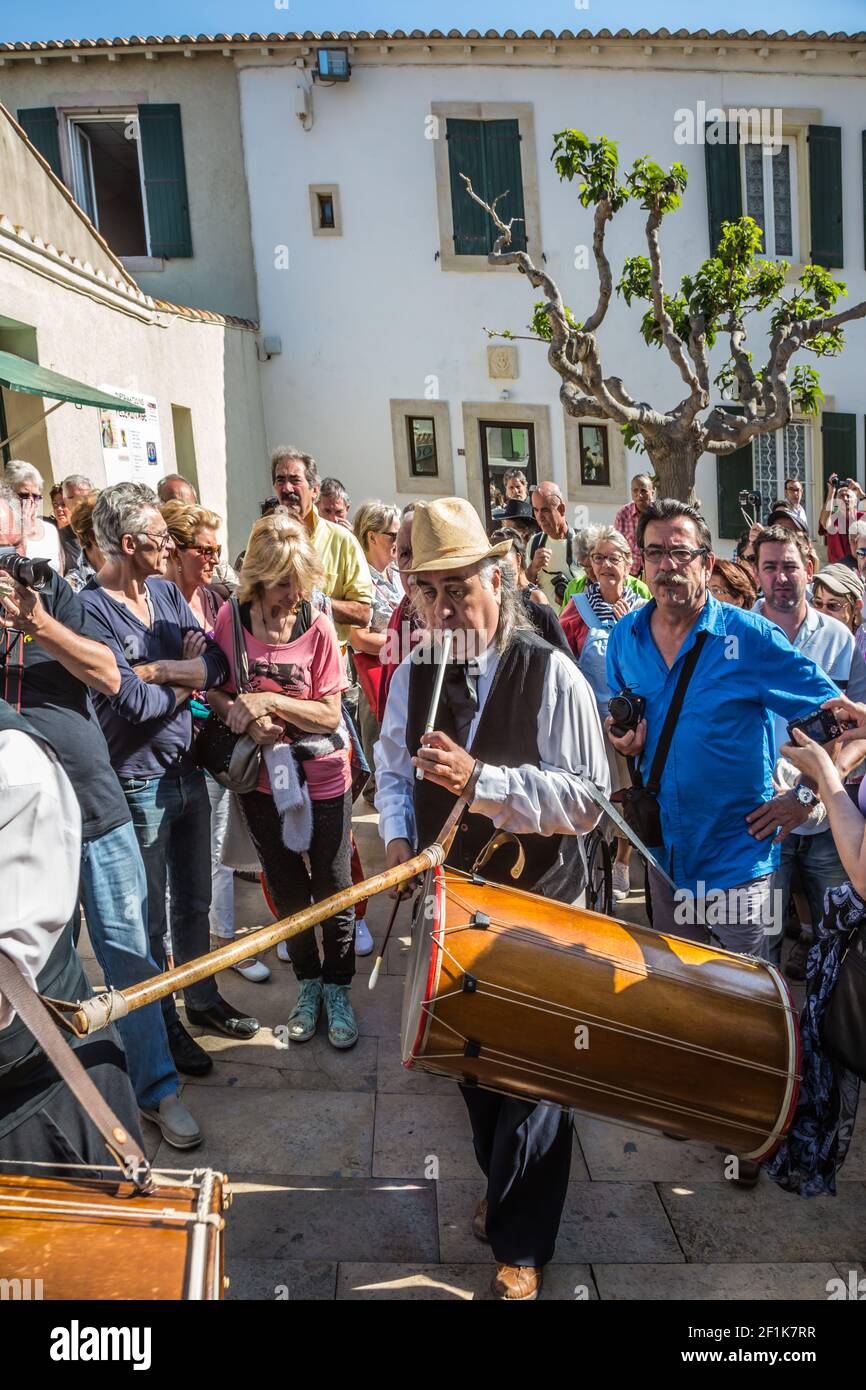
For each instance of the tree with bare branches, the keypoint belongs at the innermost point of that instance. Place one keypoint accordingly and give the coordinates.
(717, 299)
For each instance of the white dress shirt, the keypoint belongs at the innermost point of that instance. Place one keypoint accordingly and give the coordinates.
(527, 800)
(40, 854)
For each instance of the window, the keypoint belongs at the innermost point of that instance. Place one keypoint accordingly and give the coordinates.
(423, 462)
(493, 143)
(126, 170)
(325, 214)
(770, 182)
(505, 446)
(107, 179)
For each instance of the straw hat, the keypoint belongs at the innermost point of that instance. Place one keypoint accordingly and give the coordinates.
(448, 535)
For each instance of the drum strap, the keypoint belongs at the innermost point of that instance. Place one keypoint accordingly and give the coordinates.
(121, 1145)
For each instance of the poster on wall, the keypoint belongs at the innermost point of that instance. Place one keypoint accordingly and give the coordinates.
(131, 443)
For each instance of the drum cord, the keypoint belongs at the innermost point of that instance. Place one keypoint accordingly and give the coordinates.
(540, 1005)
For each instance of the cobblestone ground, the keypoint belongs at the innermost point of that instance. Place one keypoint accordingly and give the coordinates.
(327, 1152)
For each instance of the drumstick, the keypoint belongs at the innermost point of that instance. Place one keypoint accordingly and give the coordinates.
(374, 973)
(447, 639)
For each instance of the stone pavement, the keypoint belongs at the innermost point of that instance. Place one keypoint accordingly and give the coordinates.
(327, 1154)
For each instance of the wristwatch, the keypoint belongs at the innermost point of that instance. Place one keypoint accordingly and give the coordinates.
(805, 796)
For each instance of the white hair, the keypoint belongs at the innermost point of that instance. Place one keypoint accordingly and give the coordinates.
(121, 511)
(613, 537)
(20, 471)
(76, 480)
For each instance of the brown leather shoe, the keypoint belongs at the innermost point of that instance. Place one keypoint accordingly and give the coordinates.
(749, 1173)
(479, 1222)
(517, 1283)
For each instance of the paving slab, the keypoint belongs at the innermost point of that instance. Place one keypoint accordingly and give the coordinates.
(276, 1281)
(721, 1223)
(611, 1223)
(378, 1010)
(616, 1153)
(267, 1131)
(394, 1078)
(721, 1283)
(280, 1218)
(451, 1282)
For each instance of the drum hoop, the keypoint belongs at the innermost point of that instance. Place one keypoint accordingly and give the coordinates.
(792, 1090)
(433, 969)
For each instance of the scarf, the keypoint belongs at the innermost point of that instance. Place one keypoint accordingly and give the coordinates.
(600, 607)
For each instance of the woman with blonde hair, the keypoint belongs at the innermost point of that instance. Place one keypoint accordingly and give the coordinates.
(191, 566)
(290, 705)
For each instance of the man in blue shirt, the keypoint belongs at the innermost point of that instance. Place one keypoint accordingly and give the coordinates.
(719, 766)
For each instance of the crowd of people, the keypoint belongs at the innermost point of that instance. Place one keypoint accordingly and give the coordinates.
(137, 638)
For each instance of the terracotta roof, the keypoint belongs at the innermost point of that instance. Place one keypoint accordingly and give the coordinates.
(205, 315)
(474, 35)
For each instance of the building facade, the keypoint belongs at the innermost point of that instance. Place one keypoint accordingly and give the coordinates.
(376, 298)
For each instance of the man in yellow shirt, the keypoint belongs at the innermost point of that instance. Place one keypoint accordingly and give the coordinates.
(347, 575)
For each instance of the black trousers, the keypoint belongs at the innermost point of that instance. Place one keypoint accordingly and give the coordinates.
(524, 1151)
(59, 1131)
(292, 887)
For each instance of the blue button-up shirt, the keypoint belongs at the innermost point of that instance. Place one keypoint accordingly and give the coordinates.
(719, 766)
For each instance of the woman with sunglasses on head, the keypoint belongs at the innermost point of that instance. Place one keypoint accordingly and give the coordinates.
(191, 566)
(302, 803)
(41, 539)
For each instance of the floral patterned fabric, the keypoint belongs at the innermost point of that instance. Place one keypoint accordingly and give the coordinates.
(819, 1138)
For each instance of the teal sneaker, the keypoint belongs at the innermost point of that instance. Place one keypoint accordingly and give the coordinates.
(342, 1024)
(305, 1015)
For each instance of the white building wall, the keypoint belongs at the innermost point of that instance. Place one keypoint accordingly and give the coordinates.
(371, 316)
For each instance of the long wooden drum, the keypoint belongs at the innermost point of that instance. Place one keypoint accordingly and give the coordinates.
(539, 1000)
(83, 1238)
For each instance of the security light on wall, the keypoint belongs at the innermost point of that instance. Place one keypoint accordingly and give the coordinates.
(332, 65)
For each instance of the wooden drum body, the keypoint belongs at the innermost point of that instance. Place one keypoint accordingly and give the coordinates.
(81, 1238)
(540, 1000)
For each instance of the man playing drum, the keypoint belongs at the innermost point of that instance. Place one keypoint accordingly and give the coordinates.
(523, 711)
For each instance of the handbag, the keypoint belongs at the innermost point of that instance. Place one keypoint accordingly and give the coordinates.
(233, 760)
(639, 803)
(842, 1031)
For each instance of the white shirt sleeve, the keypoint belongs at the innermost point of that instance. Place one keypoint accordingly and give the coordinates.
(551, 799)
(395, 775)
(40, 855)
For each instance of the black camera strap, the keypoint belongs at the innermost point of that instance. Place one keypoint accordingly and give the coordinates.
(673, 714)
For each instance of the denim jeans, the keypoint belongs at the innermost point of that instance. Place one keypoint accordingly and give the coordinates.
(114, 893)
(171, 816)
(820, 867)
(222, 907)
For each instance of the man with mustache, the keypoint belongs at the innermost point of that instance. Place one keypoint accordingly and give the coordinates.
(347, 576)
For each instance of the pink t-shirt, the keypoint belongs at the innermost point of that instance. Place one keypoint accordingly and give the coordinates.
(315, 670)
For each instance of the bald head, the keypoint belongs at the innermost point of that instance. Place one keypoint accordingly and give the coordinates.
(174, 488)
(549, 509)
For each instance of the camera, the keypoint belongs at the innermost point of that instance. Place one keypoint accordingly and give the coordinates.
(269, 505)
(626, 710)
(750, 499)
(32, 574)
(822, 726)
(834, 479)
(559, 582)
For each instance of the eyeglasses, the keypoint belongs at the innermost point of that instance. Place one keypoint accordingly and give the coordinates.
(828, 605)
(161, 541)
(607, 559)
(721, 593)
(30, 497)
(860, 554)
(207, 552)
(680, 554)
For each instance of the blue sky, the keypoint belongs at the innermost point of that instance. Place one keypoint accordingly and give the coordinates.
(107, 18)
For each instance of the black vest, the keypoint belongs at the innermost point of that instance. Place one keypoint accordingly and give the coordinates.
(506, 736)
(62, 976)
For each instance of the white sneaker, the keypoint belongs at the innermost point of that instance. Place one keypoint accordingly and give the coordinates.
(363, 940)
(621, 884)
(178, 1127)
(283, 951)
(253, 970)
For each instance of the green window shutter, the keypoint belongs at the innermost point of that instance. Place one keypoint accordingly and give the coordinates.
(466, 156)
(724, 188)
(505, 175)
(825, 195)
(165, 180)
(40, 126)
(734, 474)
(839, 441)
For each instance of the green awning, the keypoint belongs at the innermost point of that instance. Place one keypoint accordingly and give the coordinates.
(20, 375)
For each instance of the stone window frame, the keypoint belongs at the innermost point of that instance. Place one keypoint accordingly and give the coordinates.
(617, 491)
(504, 413)
(411, 483)
(524, 114)
(331, 190)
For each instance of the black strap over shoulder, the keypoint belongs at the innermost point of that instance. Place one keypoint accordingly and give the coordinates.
(673, 714)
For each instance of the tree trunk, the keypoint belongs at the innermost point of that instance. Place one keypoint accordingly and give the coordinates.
(675, 466)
